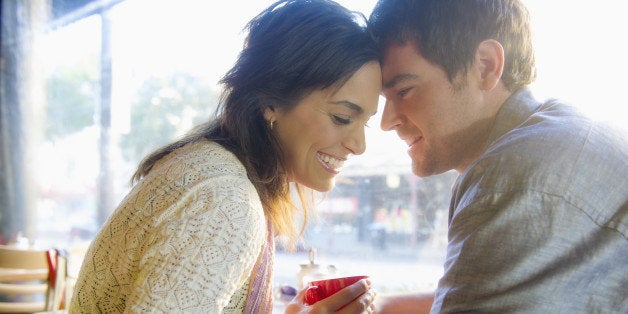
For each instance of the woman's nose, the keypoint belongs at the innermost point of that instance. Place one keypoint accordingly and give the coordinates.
(356, 141)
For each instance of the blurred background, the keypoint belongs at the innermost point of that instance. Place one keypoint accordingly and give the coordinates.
(91, 86)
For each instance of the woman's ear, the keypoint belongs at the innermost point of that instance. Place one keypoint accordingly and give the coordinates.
(490, 62)
(269, 114)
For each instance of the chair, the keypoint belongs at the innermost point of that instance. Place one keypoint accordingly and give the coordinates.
(31, 280)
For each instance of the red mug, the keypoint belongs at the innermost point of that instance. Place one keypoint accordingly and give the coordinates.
(323, 288)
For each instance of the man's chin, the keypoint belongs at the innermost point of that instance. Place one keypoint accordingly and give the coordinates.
(422, 170)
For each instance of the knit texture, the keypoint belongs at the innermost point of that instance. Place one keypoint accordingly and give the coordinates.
(185, 239)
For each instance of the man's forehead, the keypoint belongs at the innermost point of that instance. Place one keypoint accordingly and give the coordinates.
(396, 64)
(389, 83)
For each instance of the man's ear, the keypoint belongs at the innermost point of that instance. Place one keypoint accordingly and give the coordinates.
(489, 58)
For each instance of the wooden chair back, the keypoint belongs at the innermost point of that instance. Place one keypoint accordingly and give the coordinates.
(31, 280)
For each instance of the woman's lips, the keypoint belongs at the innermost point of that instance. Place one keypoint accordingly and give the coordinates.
(330, 163)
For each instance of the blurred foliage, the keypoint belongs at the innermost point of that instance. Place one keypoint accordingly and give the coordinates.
(72, 98)
(165, 109)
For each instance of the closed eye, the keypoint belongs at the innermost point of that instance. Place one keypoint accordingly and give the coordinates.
(403, 92)
(340, 120)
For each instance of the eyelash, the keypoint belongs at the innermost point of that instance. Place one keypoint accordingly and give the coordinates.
(339, 120)
(403, 92)
(343, 121)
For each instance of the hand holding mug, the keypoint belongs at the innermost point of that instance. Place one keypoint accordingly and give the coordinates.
(340, 296)
(320, 289)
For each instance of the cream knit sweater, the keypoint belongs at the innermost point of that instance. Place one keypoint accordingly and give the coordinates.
(184, 240)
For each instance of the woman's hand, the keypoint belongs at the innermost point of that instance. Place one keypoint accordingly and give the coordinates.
(354, 299)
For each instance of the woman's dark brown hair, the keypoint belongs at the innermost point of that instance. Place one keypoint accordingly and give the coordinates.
(293, 48)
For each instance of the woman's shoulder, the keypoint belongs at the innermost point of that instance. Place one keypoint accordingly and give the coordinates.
(201, 170)
(203, 158)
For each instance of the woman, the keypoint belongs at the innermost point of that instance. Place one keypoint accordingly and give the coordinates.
(196, 232)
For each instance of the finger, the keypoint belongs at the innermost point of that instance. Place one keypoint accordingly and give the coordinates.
(300, 297)
(362, 304)
(347, 296)
(370, 309)
(297, 304)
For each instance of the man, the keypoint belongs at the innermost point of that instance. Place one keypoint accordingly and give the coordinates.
(538, 221)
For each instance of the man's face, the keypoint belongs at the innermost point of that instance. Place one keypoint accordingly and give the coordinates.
(440, 121)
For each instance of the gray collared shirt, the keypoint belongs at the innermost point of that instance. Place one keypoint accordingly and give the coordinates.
(539, 223)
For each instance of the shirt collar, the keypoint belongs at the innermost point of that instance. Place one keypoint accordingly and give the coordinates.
(517, 108)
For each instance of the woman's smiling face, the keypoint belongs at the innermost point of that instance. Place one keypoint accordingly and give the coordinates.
(319, 133)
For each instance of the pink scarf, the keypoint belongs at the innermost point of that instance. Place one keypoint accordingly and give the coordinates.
(260, 296)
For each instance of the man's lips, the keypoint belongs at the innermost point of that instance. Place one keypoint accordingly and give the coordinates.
(412, 141)
(413, 144)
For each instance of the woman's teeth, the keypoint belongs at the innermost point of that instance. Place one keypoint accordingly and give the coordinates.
(331, 162)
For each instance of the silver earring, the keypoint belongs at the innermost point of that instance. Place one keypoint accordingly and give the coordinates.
(272, 124)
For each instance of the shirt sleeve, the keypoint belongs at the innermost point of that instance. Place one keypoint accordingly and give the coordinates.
(203, 252)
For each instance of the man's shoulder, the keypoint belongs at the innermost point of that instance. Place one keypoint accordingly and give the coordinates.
(560, 153)
(556, 134)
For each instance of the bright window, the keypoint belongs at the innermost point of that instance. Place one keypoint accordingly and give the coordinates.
(167, 57)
